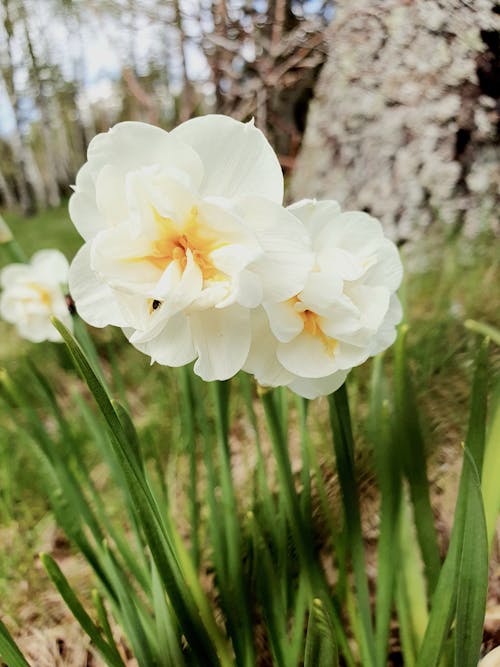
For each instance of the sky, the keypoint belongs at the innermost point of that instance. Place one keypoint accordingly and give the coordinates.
(104, 44)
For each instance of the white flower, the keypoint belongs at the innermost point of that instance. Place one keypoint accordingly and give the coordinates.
(33, 293)
(185, 233)
(346, 312)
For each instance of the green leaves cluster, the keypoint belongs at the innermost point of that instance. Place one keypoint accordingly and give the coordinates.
(268, 588)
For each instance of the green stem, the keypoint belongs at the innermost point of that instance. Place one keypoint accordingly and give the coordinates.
(244, 647)
(344, 453)
(317, 585)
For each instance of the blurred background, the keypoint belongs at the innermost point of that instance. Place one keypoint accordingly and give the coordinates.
(72, 68)
(389, 106)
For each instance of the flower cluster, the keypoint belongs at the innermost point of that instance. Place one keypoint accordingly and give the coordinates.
(190, 250)
(32, 294)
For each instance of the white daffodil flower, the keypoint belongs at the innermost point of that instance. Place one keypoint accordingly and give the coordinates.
(346, 312)
(185, 233)
(33, 293)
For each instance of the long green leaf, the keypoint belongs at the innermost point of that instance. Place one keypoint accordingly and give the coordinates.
(491, 467)
(389, 478)
(444, 604)
(68, 595)
(414, 463)
(472, 576)
(344, 453)
(149, 516)
(9, 650)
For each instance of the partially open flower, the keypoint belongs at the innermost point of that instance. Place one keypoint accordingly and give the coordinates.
(33, 293)
(346, 312)
(185, 234)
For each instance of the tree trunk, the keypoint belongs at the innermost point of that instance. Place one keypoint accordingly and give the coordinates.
(7, 197)
(405, 124)
(43, 101)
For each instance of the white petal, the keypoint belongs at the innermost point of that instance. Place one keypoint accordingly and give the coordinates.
(262, 360)
(284, 320)
(308, 356)
(237, 158)
(123, 261)
(344, 263)
(83, 209)
(222, 341)
(50, 266)
(111, 196)
(245, 289)
(39, 329)
(342, 318)
(95, 301)
(173, 346)
(387, 333)
(312, 388)
(354, 231)
(151, 192)
(187, 289)
(321, 290)
(131, 145)
(372, 303)
(13, 273)
(347, 356)
(8, 308)
(315, 214)
(387, 271)
(231, 259)
(287, 256)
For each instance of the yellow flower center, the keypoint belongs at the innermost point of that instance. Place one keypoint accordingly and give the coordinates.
(43, 294)
(312, 325)
(173, 244)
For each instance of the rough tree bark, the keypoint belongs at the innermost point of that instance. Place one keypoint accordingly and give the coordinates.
(405, 123)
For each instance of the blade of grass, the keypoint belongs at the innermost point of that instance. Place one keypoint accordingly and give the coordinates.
(411, 595)
(310, 565)
(320, 649)
(389, 480)
(192, 619)
(102, 617)
(169, 643)
(472, 575)
(491, 467)
(241, 632)
(9, 650)
(444, 604)
(414, 462)
(61, 583)
(344, 453)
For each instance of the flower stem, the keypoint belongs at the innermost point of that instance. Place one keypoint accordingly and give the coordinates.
(317, 584)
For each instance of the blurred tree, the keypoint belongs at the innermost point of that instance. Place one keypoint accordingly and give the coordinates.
(406, 122)
(163, 63)
(20, 153)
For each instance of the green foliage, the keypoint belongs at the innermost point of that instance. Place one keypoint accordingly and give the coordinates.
(197, 569)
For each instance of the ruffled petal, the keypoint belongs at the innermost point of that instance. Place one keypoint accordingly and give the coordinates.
(387, 333)
(173, 346)
(237, 158)
(50, 266)
(284, 320)
(95, 301)
(313, 388)
(262, 361)
(308, 356)
(222, 341)
(387, 270)
(287, 257)
(131, 145)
